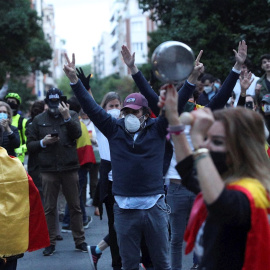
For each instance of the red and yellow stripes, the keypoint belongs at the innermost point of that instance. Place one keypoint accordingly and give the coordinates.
(22, 222)
(84, 147)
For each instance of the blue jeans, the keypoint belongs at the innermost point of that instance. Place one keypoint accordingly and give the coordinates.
(131, 224)
(82, 181)
(180, 200)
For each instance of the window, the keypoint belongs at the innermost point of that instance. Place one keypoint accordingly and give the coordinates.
(137, 46)
(136, 26)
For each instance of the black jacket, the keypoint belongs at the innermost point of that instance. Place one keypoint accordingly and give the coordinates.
(62, 155)
(10, 142)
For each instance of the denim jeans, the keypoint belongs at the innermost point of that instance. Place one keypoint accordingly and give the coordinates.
(180, 200)
(82, 181)
(131, 224)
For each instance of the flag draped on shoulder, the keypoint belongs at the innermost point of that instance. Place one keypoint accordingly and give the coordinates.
(258, 238)
(23, 224)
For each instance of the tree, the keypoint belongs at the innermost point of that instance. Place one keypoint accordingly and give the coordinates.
(23, 48)
(216, 26)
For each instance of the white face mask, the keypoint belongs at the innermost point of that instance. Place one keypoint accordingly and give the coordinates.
(207, 89)
(114, 113)
(132, 123)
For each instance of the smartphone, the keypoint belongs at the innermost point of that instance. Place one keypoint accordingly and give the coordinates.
(54, 134)
(63, 99)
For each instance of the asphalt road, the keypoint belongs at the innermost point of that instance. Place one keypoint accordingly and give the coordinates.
(67, 258)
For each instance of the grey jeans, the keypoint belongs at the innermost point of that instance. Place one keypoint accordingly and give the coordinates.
(131, 224)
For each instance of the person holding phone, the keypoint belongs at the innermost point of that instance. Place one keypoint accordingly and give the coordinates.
(53, 135)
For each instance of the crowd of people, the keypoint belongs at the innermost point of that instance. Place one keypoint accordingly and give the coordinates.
(202, 178)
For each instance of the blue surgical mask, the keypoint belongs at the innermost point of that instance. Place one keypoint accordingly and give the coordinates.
(207, 89)
(217, 85)
(3, 116)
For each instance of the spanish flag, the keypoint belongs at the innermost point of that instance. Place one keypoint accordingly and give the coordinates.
(84, 147)
(23, 225)
(258, 238)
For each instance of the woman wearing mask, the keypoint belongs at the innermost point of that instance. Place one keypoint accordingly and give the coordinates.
(112, 104)
(228, 227)
(9, 135)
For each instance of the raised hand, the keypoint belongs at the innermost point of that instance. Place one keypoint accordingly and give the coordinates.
(245, 80)
(240, 55)
(127, 57)
(198, 69)
(70, 69)
(202, 121)
(64, 110)
(85, 80)
(169, 98)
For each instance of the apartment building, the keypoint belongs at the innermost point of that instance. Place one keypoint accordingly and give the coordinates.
(129, 26)
(43, 82)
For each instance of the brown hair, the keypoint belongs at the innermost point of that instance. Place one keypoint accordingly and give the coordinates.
(109, 97)
(37, 108)
(245, 141)
(9, 110)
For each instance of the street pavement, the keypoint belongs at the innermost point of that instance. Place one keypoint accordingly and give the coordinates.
(67, 258)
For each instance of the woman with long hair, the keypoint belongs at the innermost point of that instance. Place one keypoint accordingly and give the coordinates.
(229, 169)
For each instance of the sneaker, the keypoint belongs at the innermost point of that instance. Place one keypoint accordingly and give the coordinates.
(59, 238)
(89, 202)
(195, 266)
(66, 229)
(94, 257)
(82, 247)
(48, 251)
(86, 224)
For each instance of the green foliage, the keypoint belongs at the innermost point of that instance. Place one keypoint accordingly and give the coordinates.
(215, 26)
(23, 47)
(123, 86)
(16, 86)
(64, 85)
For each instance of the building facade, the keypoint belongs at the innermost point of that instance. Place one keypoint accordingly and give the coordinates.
(43, 82)
(128, 26)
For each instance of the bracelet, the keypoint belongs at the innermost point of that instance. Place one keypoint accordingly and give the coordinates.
(199, 152)
(176, 129)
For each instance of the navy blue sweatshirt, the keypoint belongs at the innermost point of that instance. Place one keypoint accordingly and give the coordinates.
(136, 165)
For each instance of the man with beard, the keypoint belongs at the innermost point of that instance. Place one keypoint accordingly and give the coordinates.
(53, 135)
(14, 101)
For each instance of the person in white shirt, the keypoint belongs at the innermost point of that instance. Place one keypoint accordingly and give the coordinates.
(251, 90)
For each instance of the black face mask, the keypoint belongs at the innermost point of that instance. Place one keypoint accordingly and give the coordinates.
(14, 107)
(219, 159)
(249, 105)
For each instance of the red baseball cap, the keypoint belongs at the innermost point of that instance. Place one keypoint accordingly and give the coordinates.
(135, 101)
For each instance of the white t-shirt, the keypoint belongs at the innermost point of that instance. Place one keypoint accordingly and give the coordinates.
(250, 91)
